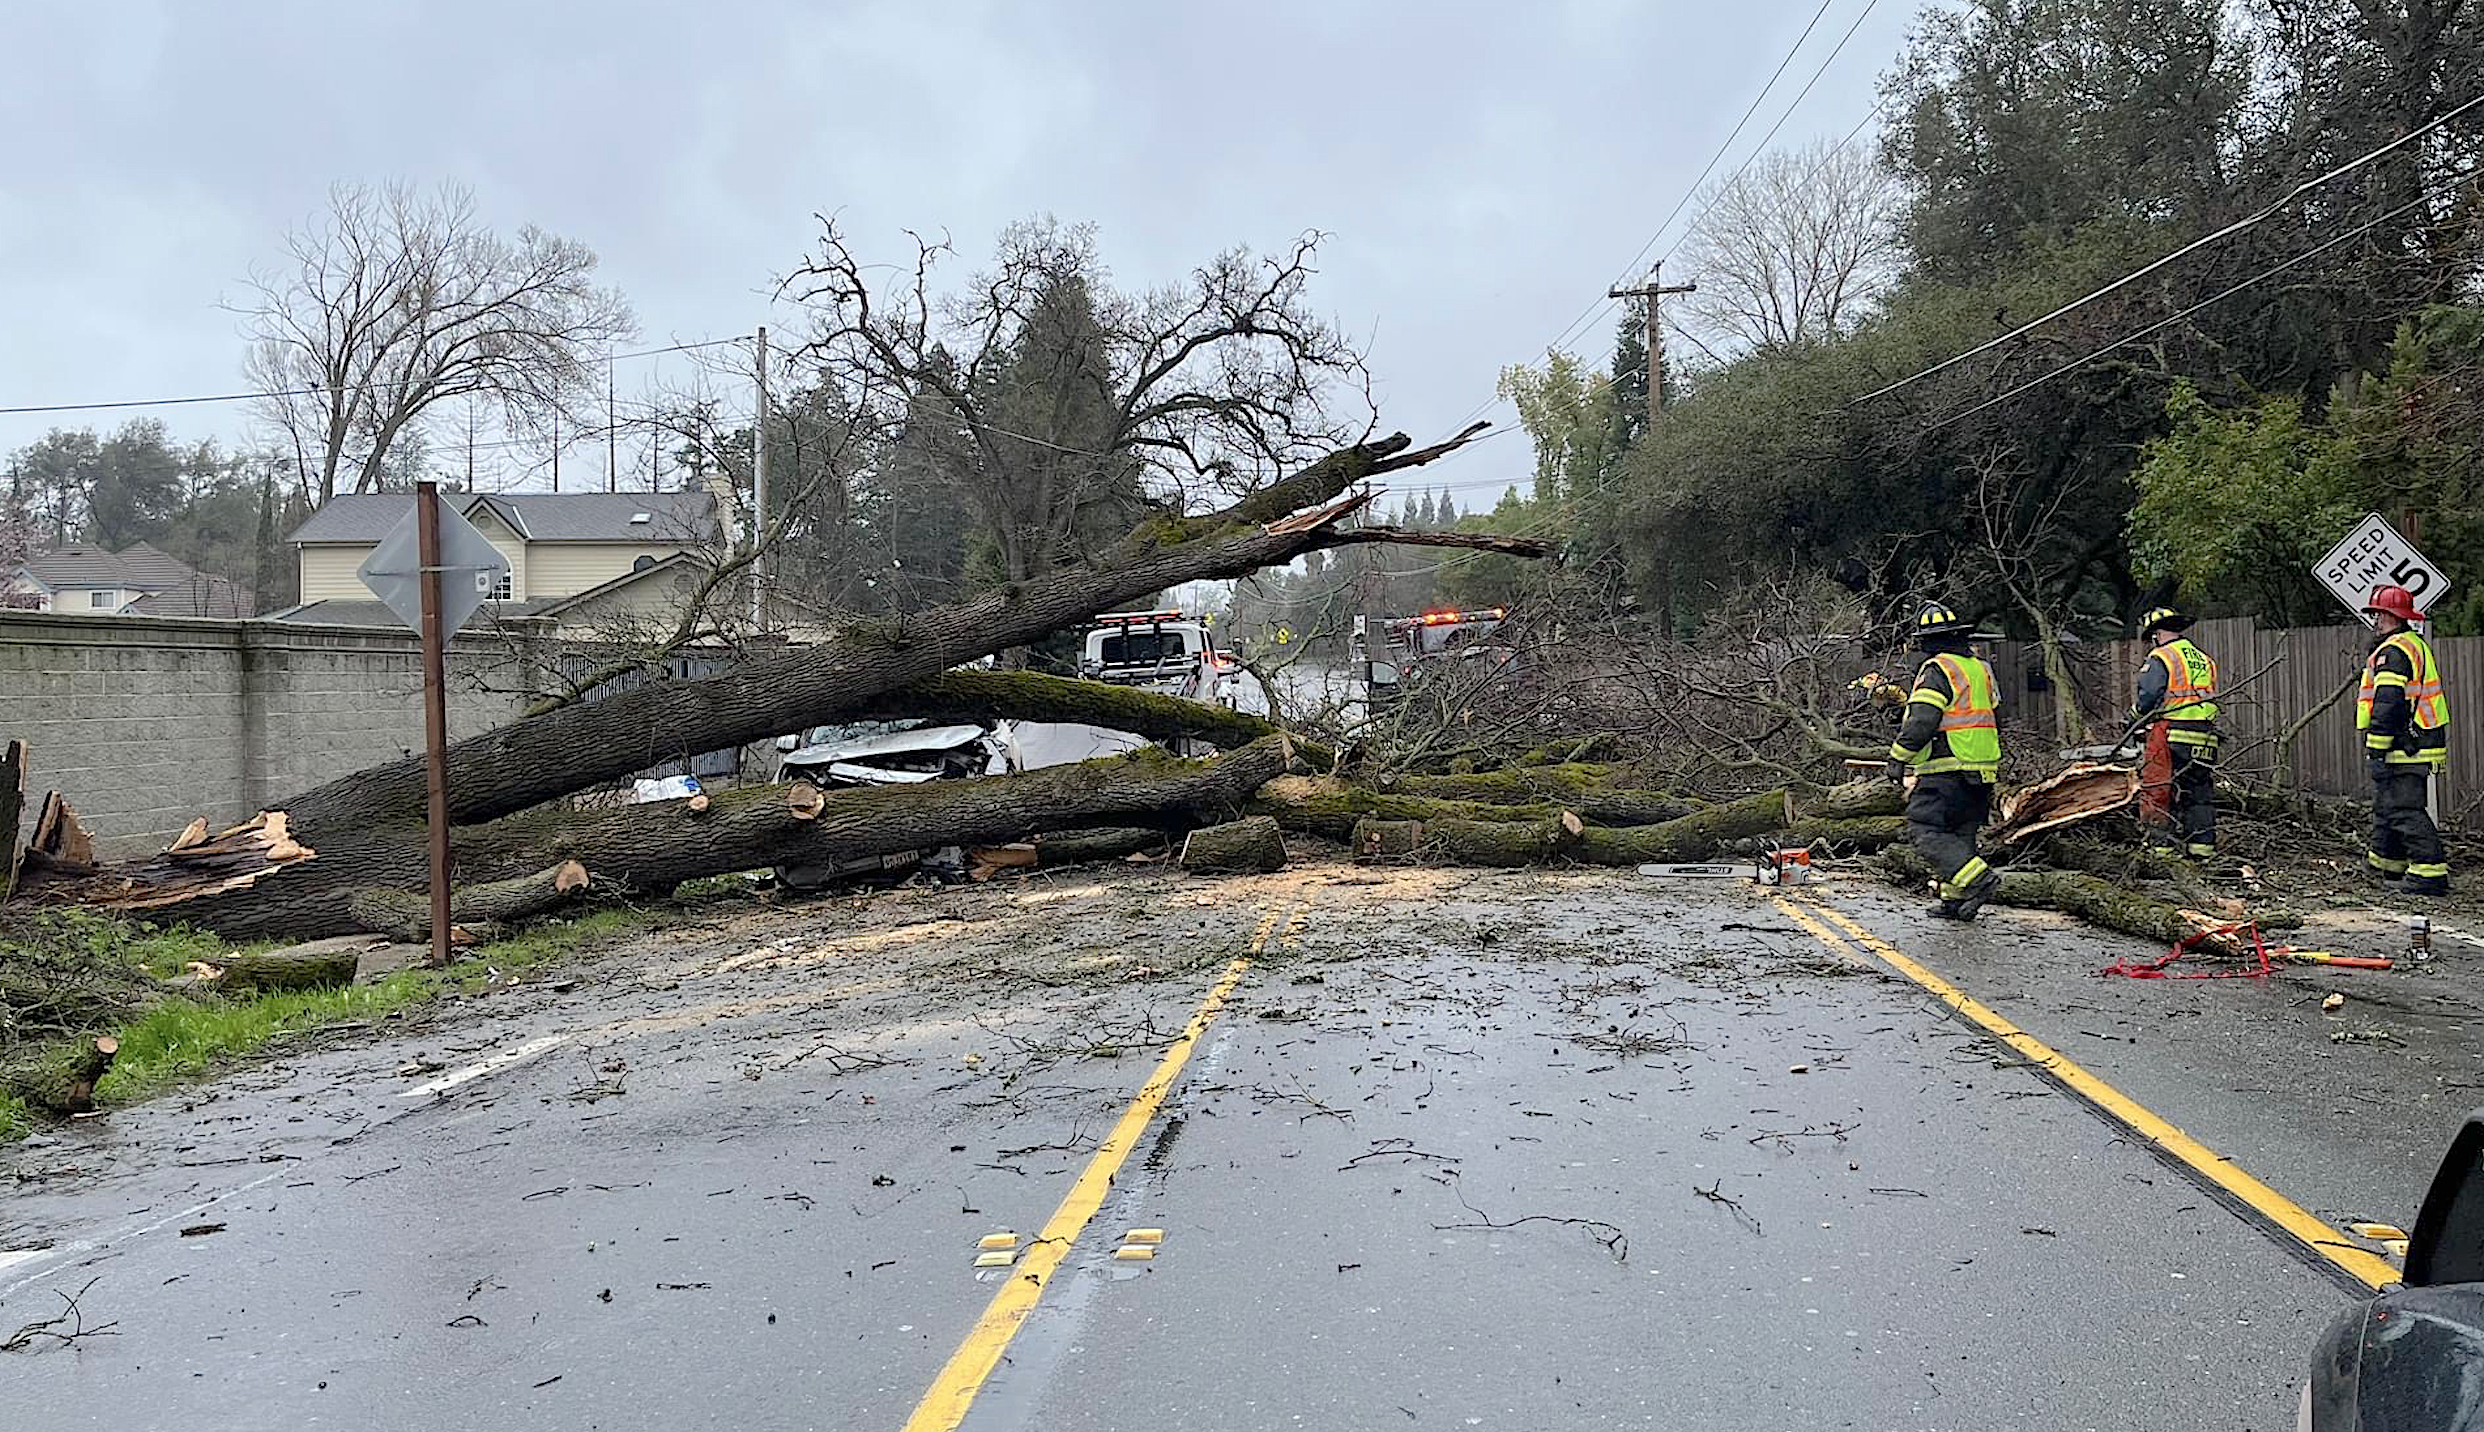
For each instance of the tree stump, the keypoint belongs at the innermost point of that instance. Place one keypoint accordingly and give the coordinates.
(1254, 843)
(61, 1081)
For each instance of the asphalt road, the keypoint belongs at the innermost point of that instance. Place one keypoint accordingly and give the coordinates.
(1457, 1149)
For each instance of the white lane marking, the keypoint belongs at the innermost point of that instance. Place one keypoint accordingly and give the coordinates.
(497, 1062)
(90, 1245)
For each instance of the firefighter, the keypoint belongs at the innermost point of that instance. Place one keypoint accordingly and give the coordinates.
(1950, 742)
(2178, 691)
(2404, 717)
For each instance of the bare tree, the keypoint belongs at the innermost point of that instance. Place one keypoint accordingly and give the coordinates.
(1077, 403)
(1791, 250)
(399, 299)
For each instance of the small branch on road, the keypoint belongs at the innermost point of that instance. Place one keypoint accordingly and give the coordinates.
(1613, 1240)
(1395, 1149)
(1784, 1138)
(72, 1317)
(1715, 1194)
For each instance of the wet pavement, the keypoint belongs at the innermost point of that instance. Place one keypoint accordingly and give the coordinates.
(1462, 1149)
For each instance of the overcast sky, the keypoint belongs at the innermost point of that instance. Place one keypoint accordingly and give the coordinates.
(1485, 169)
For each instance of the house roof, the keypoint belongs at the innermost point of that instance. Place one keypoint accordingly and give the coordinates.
(199, 596)
(679, 561)
(148, 570)
(335, 611)
(139, 568)
(655, 517)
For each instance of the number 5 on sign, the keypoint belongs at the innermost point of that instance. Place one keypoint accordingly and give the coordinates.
(2374, 555)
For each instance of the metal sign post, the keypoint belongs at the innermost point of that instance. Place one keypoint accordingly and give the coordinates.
(435, 712)
(405, 572)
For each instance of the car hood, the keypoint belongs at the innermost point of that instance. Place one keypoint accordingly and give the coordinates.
(893, 743)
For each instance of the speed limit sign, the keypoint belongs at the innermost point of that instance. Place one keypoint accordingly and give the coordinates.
(2374, 555)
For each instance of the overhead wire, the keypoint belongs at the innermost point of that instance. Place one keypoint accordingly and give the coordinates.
(2247, 221)
(259, 393)
(2173, 318)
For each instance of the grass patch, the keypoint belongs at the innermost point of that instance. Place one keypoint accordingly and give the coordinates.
(165, 1041)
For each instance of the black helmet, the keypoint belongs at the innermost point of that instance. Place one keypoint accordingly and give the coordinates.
(2165, 619)
(1937, 622)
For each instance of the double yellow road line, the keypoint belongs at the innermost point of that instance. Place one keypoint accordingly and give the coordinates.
(2278, 1212)
(954, 1391)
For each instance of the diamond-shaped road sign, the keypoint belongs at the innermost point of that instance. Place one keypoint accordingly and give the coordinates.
(470, 567)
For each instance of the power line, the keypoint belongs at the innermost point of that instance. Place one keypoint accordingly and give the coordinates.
(2194, 245)
(1709, 168)
(2169, 320)
(309, 392)
(1602, 305)
(1762, 147)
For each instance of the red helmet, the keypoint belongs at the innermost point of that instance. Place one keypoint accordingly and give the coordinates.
(2397, 601)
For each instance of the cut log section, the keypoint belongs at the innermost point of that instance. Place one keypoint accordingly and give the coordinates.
(1252, 844)
(61, 1081)
(322, 964)
(405, 916)
(1081, 847)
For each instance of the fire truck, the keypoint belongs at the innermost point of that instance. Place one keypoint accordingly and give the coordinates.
(1412, 646)
(1161, 651)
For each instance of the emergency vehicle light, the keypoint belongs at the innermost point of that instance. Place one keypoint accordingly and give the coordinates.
(1444, 618)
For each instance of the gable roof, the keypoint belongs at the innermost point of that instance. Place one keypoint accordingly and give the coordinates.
(139, 568)
(677, 517)
(149, 570)
(200, 596)
(679, 561)
(362, 611)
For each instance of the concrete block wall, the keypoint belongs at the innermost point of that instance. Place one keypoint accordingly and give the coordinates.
(145, 723)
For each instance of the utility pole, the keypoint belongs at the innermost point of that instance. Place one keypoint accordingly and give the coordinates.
(469, 446)
(556, 449)
(612, 433)
(759, 494)
(1654, 291)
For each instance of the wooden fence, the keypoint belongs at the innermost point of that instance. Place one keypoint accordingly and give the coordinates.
(2275, 678)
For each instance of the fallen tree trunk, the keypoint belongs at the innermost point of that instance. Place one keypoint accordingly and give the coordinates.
(2103, 903)
(362, 825)
(1601, 795)
(1251, 844)
(405, 915)
(656, 846)
(529, 761)
(61, 1081)
(1327, 806)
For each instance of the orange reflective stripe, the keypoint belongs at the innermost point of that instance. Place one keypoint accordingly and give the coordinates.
(1962, 714)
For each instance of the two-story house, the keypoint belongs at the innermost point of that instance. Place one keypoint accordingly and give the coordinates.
(617, 551)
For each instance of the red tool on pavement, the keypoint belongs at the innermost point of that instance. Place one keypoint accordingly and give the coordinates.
(2158, 969)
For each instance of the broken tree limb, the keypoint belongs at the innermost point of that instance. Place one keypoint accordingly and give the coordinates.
(60, 1080)
(1464, 842)
(232, 860)
(405, 916)
(1251, 844)
(2082, 790)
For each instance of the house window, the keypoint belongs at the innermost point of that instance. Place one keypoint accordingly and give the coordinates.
(643, 563)
(106, 600)
(502, 590)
